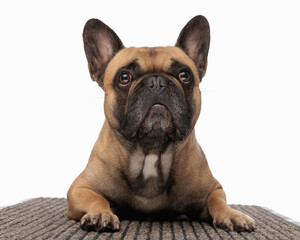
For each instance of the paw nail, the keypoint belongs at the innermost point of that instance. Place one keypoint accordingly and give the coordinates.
(117, 226)
(104, 224)
(246, 227)
(94, 221)
(215, 224)
(83, 221)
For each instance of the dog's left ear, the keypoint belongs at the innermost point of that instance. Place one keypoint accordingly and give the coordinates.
(101, 44)
(194, 40)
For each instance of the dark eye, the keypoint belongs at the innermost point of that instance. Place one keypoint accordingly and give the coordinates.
(184, 77)
(125, 78)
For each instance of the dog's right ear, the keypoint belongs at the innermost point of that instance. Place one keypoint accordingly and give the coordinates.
(194, 40)
(101, 44)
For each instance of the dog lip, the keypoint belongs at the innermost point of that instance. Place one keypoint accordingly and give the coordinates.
(159, 106)
(158, 109)
(178, 134)
(138, 132)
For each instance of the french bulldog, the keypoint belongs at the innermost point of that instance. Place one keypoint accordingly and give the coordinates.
(146, 160)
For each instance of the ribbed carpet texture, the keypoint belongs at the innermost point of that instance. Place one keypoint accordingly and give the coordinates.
(45, 218)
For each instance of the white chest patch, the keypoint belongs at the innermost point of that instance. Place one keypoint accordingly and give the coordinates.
(157, 165)
(150, 166)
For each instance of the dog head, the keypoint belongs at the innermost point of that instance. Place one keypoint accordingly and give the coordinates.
(152, 94)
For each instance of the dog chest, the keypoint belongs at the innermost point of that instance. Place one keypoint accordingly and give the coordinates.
(148, 174)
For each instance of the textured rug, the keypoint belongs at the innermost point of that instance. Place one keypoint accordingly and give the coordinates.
(44, 218)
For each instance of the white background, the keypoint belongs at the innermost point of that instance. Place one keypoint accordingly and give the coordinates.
(51, 112)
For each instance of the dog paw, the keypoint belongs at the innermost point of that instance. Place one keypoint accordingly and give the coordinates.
(100, 222)
(233, 220)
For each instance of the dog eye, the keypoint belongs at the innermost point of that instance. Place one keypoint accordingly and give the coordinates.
(184, 77)
(125, 78)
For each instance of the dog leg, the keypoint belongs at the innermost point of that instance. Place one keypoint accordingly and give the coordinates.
(224, 216)
(91, 209)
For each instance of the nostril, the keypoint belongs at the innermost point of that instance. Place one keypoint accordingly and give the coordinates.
(150, 82)
(162, 81)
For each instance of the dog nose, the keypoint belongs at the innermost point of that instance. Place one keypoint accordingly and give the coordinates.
(155, 82)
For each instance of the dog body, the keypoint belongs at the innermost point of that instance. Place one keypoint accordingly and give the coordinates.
(150, 183)
(147, 159)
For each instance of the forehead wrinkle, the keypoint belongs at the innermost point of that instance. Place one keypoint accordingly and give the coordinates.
(153, 59)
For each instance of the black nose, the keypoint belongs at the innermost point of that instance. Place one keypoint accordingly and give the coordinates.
(155, 83)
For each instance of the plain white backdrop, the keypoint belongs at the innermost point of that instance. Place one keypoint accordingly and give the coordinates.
(51, 112)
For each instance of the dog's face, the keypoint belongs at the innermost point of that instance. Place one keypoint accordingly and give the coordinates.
(151, 94)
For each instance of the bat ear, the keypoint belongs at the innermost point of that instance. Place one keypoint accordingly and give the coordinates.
(194, 40)
(101, 44)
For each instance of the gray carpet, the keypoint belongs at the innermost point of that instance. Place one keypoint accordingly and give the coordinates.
(44, 218)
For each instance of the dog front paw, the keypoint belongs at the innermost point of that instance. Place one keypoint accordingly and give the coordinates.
(100, 222)
(233, 220)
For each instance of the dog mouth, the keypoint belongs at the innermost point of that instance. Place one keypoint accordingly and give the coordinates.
(157, 121)
(158, 126)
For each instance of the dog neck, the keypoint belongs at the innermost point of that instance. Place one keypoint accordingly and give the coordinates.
(148, 174)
